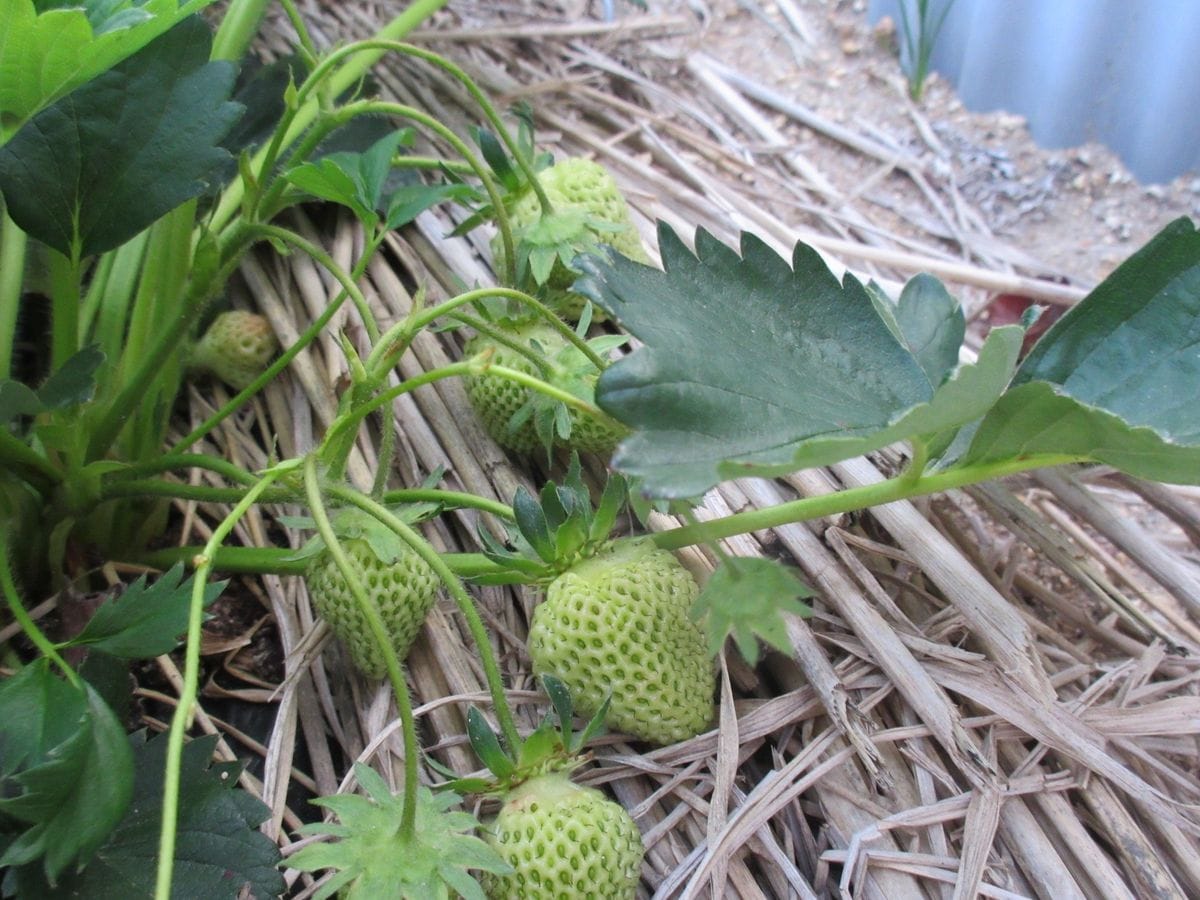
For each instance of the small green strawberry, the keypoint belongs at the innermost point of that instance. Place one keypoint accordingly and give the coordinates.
(237, 347)
(619, 621)
(560, 841)
(402, 586)
(589, 210)
(563, 841)
(616, 621)
(519, 418)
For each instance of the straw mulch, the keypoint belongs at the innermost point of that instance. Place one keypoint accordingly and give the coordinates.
(997, 694)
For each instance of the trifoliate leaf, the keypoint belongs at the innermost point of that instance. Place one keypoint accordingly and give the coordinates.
(754, 367)
(747, 597)
(144, 622)
(107, 160)
(374, 860)
(1116, 379)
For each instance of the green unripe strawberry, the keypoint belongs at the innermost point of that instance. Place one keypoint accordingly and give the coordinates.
(576, 185)
(496, 400)
(565, 842)
(403, 590)
(620, 621)
(237, 347)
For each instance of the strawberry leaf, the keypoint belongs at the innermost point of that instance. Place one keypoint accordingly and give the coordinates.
(107, 160)
(144, 622)
(219, 852)
(48, 53)
(1116, 379)
(811, 374)
(67, 770)
(747, 597)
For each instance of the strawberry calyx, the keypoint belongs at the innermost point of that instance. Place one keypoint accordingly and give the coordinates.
(555, 530)
(553, 748)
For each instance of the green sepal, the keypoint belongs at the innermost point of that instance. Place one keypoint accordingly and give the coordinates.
(486, 744)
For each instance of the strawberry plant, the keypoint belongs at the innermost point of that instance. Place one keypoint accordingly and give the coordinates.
(129, 165)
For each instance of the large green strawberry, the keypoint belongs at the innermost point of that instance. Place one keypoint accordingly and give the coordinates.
(619, 621)
(564, 842)
(403, 588)
(497, 400)
(589, 210)
(236, 348)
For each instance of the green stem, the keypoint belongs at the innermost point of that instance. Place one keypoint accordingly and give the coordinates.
(342, 427)
(283, 561)
(171, 462)
(864, 497)
(12, 279)
(237, 30)
(464, 601)
(65, 279)
(184, 710)
(200, 493)
(9, 586)
(412, 750)
(344, 278)
(20, 456)
(423, 318)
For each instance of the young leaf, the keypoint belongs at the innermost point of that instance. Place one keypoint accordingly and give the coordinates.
(932, 324)
(75, 380)
(747, 597)
(143, 621)
(218, 852)
(1116, 379)
(106, 161)
(69, 778)
(811, 374)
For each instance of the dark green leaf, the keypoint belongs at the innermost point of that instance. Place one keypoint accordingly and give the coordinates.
(17, 400)
(144, 622)
(74, 382)
(747, 597)
(933, 326)
(109, 159)
(752, 367)
(1116, 378)
(39, 712)
(49, 49)
(218, 850)
(73, 792)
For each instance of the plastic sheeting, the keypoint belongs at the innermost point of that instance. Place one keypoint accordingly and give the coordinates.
(1125, 74)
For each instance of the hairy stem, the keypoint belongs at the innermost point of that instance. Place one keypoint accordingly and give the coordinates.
(898, 488)
(184, 710)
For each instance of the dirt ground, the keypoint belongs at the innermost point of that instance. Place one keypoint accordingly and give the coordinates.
(1077, 211)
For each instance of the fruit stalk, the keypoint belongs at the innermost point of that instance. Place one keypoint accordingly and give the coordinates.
(181, 720)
